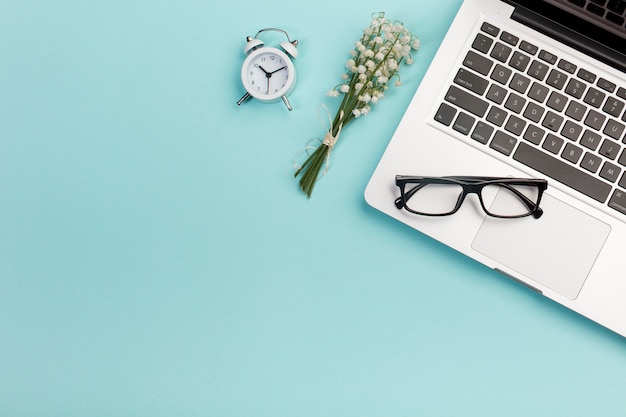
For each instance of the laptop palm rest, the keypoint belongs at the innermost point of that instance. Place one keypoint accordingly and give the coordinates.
(557, 250)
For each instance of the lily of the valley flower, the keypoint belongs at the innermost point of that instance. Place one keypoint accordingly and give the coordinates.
(374, 62)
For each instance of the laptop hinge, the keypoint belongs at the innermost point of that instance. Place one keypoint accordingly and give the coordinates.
(537, 290)
(612, 51)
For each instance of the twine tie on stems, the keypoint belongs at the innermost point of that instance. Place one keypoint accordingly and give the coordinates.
(329, 140)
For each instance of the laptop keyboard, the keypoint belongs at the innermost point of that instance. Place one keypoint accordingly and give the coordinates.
(541, 110)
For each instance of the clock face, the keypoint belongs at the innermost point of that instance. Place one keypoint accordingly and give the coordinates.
(268, 74)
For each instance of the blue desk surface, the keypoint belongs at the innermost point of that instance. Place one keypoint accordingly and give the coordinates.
(158, 259)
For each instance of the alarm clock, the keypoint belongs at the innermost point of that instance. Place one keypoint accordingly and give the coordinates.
(268, 73)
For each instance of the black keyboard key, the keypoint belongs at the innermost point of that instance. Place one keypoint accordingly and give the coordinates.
(478, 63)
(503, 143)
(613, 107)
(534, 112)
(520, 83)
(588, 76)
(609, 149)
(509, 38)
(528, 47)
(614, 129)
(575, 88)
(618, 201)
(557, 101)
(572, 131)
(519, 61)
(464, 123)
(595, 9)
(552, 121)
(553, 144)
(501, 52)
(575, 110)
(482, 43)
(567, 66)
(613, 18)
(538, 70)
(610, 172)
(562, 172)
(515, 125)
(579, 3)
(594, 97)
(501, 74)
(515, 103)
(490, 29)
(606, 85)
(572, 153)
(591, 162)
(496, 93)
(618, 6)
(467, 101)
(534, 134)
(549, 57)
(471, 81)
(595, 120)
(497, 116)
(445, 114)
(557, 79)
(590, 140)
(482, 132)
(538, 92)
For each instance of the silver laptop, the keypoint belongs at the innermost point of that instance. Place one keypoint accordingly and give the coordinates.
(529, 90)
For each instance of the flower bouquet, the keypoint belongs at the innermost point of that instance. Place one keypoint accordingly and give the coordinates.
(374, 63)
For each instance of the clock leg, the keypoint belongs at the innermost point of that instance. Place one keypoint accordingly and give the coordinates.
(244, 98)
(286, 103)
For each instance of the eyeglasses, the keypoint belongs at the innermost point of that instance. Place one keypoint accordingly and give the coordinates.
(442, 196)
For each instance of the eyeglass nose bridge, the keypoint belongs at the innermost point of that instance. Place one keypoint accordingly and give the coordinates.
(471, 189)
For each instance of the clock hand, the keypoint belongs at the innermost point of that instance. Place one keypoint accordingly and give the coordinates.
(268, 75)
(279, 69)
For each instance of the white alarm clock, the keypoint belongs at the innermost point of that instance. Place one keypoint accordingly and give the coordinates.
(268, 73)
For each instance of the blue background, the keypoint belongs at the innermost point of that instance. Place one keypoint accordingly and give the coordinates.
(158, 259)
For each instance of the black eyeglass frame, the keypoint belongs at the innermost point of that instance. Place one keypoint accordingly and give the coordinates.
(472, 185)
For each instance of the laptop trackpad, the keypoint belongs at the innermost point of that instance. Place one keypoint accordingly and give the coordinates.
(556, 250)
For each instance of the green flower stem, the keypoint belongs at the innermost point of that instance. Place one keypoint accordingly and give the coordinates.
(311, 168)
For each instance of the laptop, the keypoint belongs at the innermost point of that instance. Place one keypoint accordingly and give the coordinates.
(533, 90)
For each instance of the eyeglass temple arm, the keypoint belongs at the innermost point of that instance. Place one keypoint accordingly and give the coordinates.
(408, 194)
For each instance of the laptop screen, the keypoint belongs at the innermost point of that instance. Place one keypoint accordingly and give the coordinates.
(595, 27)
